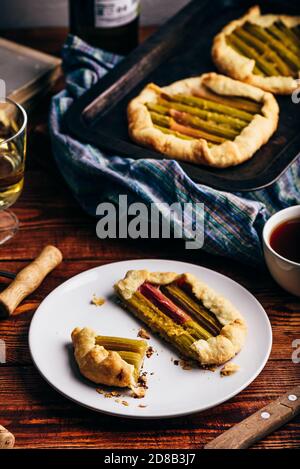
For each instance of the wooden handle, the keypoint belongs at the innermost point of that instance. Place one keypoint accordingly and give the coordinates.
(7, 439)
(260, 424)
(28, 279)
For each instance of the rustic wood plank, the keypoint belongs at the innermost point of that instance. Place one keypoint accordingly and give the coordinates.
(29, 407)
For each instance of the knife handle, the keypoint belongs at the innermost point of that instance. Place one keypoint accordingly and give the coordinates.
(260, 424)
(7, 439)
(28, 280)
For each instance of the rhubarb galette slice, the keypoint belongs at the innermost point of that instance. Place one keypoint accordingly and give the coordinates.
(112, 361)
(201, 324)
(211, 120)
(263, 50)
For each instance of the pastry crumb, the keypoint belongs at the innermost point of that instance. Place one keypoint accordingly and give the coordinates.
(97, 300)
(176, 362)
(142, 406)
(185, 365)
(139, 392)
(125, 403)
(229, 369)
(150, 351)
(143, 334)
(143, 380)
(108, 394)
(211, 368)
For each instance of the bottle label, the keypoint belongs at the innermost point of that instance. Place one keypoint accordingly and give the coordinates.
(113, 13)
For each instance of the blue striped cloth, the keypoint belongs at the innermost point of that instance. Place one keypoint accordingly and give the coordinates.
(233, 221)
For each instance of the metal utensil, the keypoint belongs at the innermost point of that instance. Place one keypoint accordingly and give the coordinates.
(7, 274)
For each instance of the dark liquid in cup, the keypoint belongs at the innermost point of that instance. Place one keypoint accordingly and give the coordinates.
(285, 239)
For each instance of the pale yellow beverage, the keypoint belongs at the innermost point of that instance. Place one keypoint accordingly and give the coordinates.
(13, 121)
(11, 174)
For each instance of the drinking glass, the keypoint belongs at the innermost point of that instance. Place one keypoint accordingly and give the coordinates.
(13, 123)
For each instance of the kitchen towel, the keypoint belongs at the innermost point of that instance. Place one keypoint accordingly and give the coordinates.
(233, 221)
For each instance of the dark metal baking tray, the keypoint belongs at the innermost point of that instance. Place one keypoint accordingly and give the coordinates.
(180, 49)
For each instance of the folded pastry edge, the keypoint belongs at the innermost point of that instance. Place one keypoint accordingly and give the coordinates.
(98, 364)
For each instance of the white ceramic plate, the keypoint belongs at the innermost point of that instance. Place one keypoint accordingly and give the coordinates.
(172, 390)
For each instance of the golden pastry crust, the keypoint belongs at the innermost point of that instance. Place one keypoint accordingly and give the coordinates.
(240, 67)
(228, 153)
(98, 364)
(229, 369)
(216, 350)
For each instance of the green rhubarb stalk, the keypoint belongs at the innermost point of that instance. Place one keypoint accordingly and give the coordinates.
(265, 50)
(283, 36)
(161, 120)
(170, 123)
(244, 104)
(268, 68)
(170, 309)
(207, 105)
(117, 343)
(161, 323)
(196, 330)
(165, 110)
(222, 119)
(288, 32)
(193, 307)
(133, 358)
(256, 69)
(193, 121)
(183, 343)
(165, 130)
(280, 47)
(168, 108)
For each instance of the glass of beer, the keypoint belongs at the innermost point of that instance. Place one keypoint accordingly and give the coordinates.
(13, 123)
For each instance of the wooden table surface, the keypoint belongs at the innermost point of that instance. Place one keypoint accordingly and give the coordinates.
(40, 417)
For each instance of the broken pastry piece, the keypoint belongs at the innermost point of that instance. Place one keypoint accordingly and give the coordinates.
(112, 361)
(210, 119)
(263, 50)
(201, 324)
(229, 369)
(97, 300)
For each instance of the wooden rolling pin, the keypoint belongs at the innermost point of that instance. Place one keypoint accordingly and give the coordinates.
(260, 424)
(7, 439)
(28, 280)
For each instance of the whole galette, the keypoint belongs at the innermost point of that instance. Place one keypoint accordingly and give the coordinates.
(211, 120)
(263, 50)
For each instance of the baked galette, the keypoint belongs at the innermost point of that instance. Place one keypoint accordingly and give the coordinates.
(211, 119)
(263, 50)
(196, 320)
(112, 361)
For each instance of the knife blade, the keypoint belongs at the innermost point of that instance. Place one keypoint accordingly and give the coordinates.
(9, 275)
